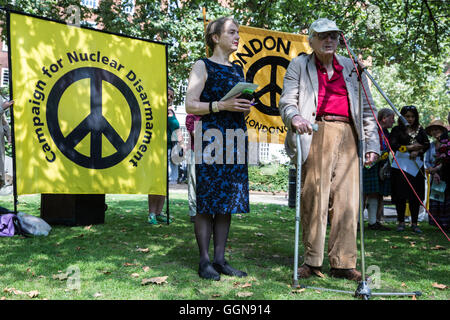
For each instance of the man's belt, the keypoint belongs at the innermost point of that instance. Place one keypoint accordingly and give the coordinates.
(330, 117)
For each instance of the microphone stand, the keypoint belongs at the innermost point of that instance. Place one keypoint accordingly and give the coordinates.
(364, 70)
(363, 290)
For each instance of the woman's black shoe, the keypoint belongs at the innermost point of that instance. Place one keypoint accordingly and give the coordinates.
(207, 271)
(228, 270)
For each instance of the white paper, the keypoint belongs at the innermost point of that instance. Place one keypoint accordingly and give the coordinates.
(438, 191)
(406, 164)
(238, 88)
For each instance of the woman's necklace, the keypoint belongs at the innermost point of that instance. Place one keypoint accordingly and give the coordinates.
(413, 135)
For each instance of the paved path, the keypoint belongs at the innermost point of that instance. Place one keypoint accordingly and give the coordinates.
(281, 199)
(255, 197)
(390, 214)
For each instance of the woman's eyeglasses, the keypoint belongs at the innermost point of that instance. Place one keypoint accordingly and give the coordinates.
(324, 35)
(409, 108)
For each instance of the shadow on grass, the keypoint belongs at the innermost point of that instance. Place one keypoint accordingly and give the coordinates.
(114, 258)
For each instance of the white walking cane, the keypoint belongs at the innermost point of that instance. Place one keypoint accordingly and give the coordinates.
(297, 203)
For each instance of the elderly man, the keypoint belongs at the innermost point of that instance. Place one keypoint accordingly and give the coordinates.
(322, 88)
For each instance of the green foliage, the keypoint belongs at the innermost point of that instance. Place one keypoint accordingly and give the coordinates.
(48, 9)
(431, 96)
(180, 26)
(268, 178)
(8, 149)
(4, 92)
(407, 41)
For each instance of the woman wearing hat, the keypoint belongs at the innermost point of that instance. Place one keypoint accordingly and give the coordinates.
(436, 161)
(412, 139)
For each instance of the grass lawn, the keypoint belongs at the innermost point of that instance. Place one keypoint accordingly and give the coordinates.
(125, 258)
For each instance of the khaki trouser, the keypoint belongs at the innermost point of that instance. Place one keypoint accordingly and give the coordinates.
(330, 179)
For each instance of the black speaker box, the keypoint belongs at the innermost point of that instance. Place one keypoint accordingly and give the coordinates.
(73, 209)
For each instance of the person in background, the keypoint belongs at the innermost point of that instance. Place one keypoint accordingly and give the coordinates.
(156, 202)
(191, 123)
(412, 139)
(374, 185)
(222, 187)
(437, 165)
(322, 88)
(5, 131)
(175, 142)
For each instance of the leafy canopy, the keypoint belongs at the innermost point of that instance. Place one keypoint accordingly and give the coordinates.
(407, 42)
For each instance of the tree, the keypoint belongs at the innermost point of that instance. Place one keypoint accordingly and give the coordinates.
(431, 98)
(179, 24)
(49, 9)
(407, 40)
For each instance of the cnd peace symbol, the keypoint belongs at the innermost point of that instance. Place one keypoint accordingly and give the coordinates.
(273, 89)
(95, 123)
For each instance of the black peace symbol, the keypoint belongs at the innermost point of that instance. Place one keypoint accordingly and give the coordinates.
(94, 123)
(273, 88)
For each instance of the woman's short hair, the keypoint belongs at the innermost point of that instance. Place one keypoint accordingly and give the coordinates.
(384, 113)
(215, 28)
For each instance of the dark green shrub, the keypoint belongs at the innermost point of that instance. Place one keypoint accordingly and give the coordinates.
(269, 177)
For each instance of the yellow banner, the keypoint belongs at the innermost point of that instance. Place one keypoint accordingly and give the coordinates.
(265, 56)
(90, 111)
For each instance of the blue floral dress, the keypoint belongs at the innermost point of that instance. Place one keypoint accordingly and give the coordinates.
(222, 173)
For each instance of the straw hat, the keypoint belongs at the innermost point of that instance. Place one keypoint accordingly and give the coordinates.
(435, 124)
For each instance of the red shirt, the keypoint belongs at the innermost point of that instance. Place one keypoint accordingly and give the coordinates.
(332, 96)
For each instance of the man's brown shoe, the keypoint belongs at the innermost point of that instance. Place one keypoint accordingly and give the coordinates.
(349, 274)
(306, 271)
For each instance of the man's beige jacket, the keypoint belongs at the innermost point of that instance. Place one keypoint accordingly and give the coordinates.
(300, 96)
